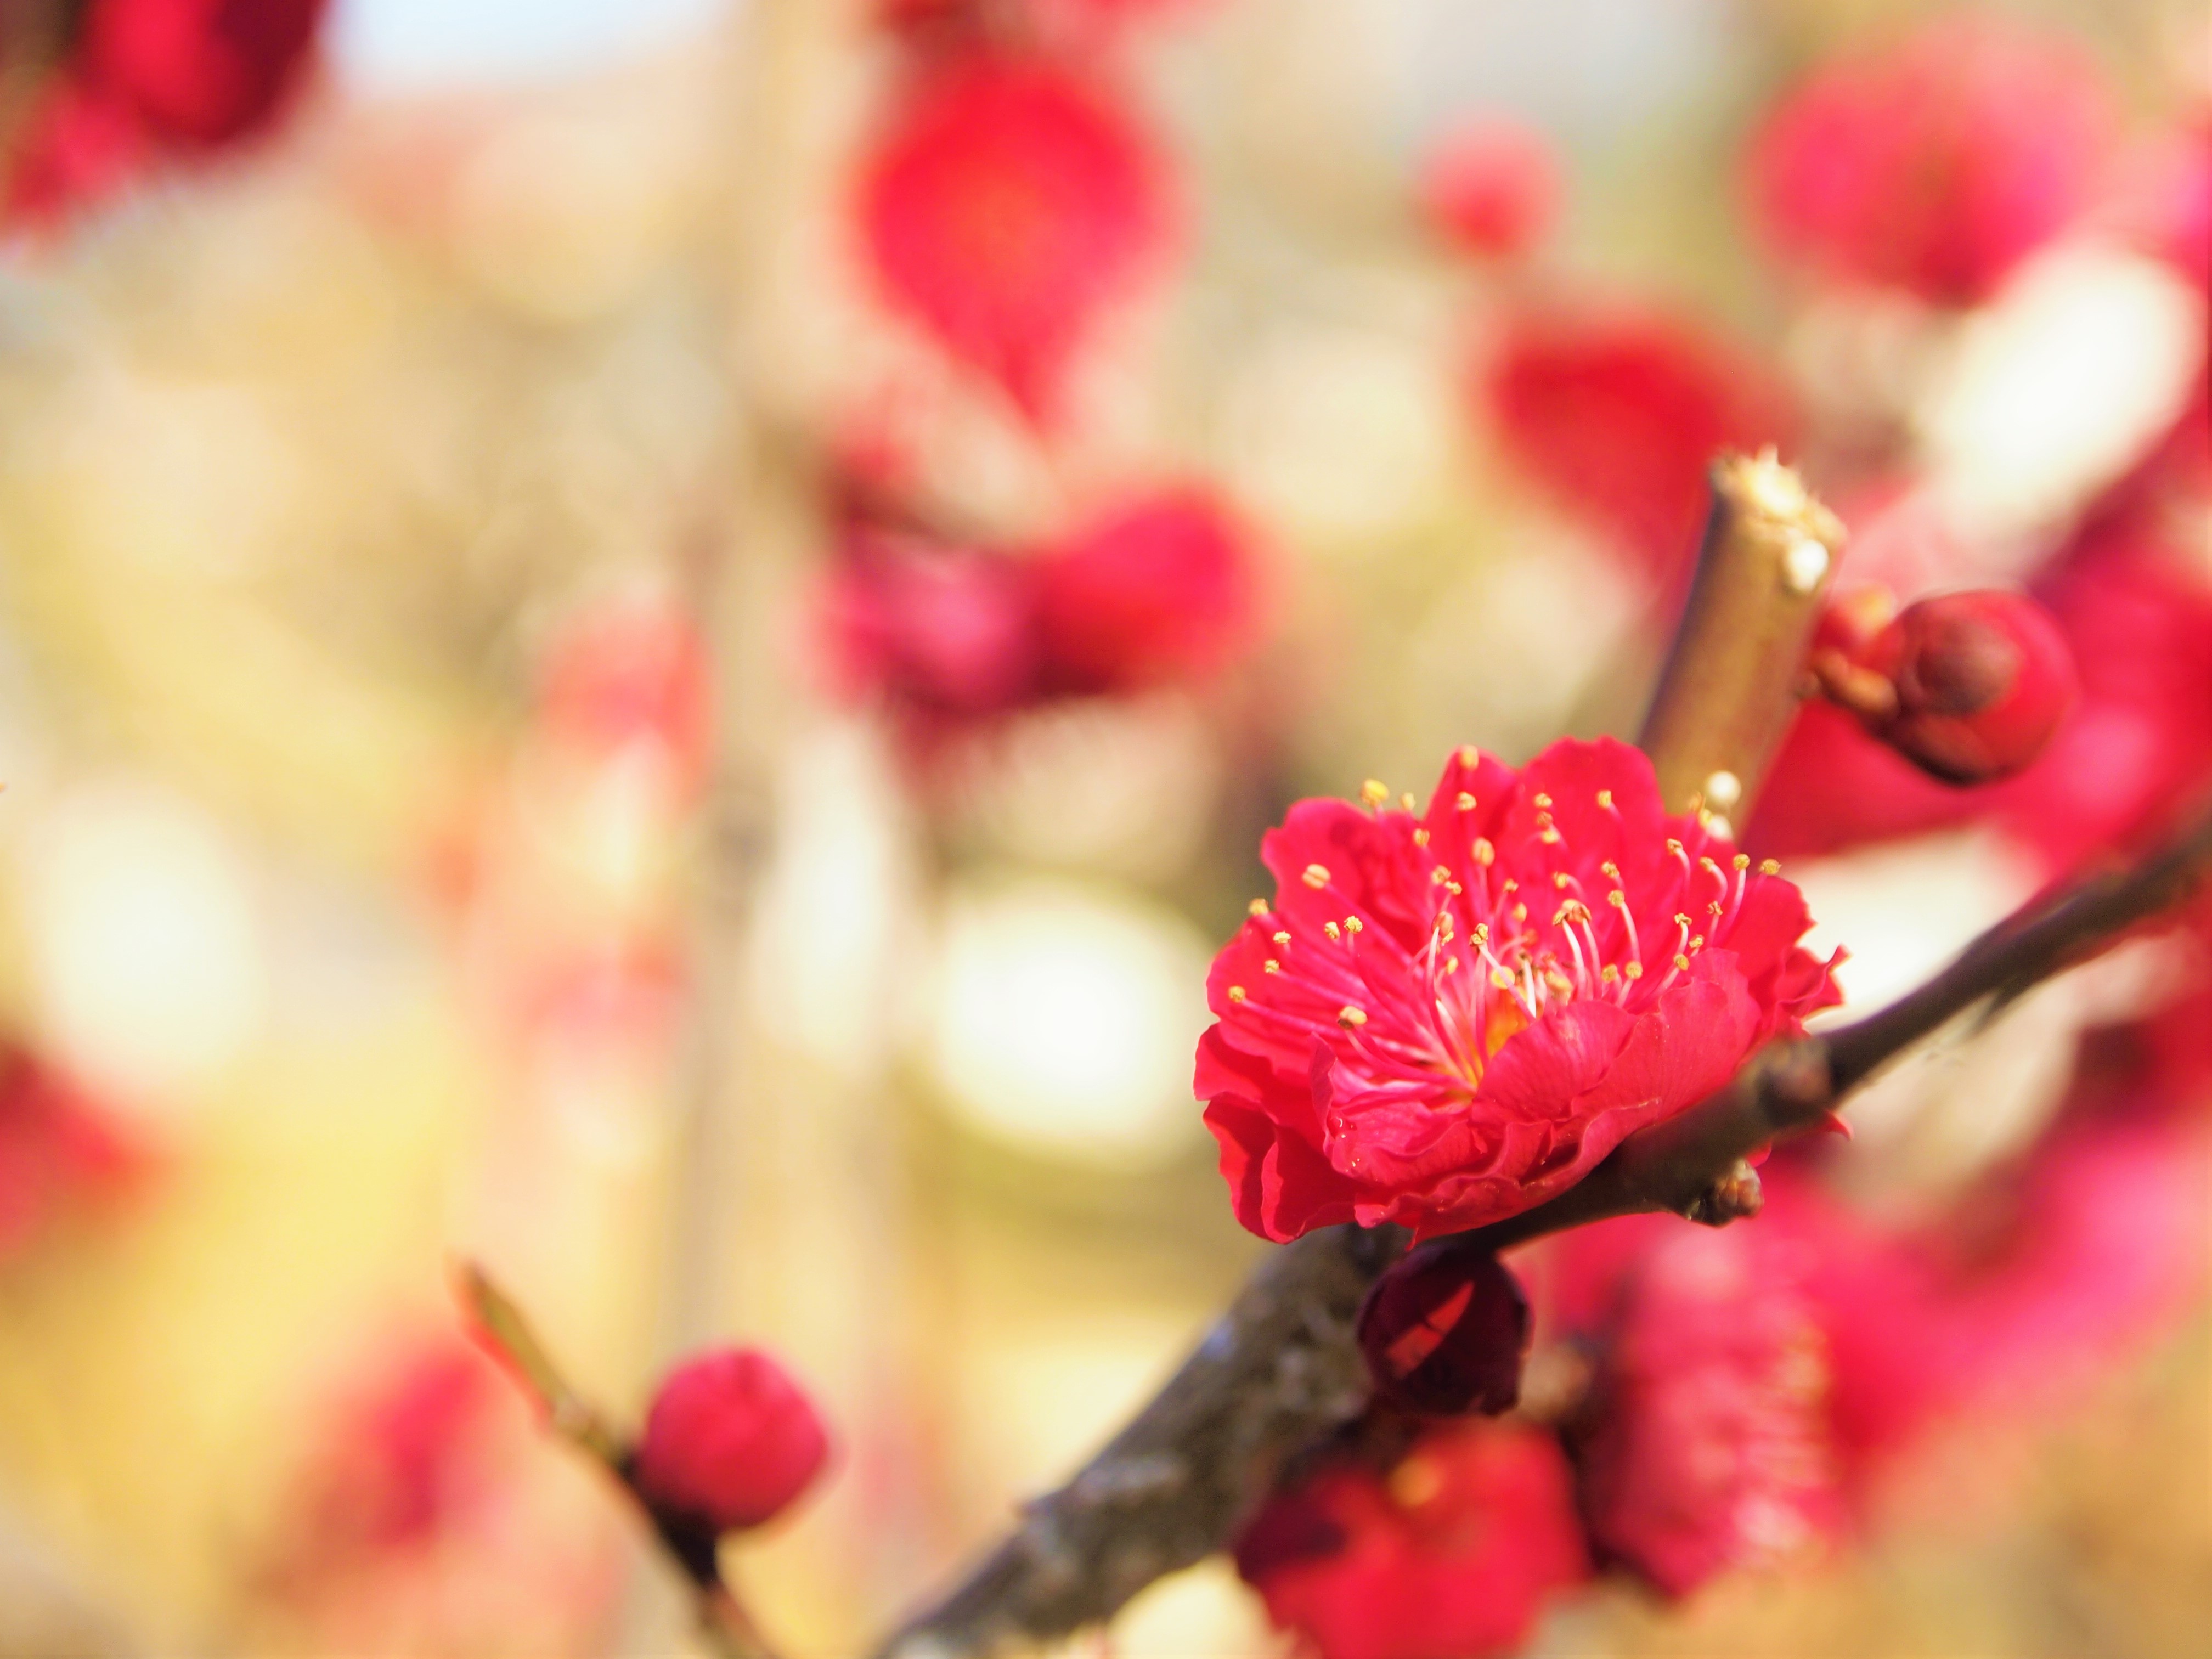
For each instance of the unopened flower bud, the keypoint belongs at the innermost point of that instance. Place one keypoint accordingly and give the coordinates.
(1981, 681)
(1444, 1330)
(1492, 187)
(731, 1440)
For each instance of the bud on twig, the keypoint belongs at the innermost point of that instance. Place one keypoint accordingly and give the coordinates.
(1443, 1332)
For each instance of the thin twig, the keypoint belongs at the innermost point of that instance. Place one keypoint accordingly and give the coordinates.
(723, 1622)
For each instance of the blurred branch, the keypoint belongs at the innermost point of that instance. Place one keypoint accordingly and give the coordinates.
(1729, 690)
(499, 1324)
(1281, 1370)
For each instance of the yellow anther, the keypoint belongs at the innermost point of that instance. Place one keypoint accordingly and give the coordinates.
(1316, 876)
(1406, 801)
(1697, 942)
(1674, 845)
(1682, 919)
(1520, 913)
(1714, 909)
(1469, 756)
(1741, 860)
(1610, 870)
(1349, 1017)
(1280, 939)
(1236, 994)
(1769, 867)
(1608, 975)
(1634, 971)
(1542, 801)
(1352, 924)
(1439, 876)
(1560, 878)
(1508, 885)
(1374, 792)
(1482, 852)
(1421, 838)
(1481, 934)
(1707, 864)
(1549, 836)
(1331, 930)
(1681, 962)
(1452, 964)
(1605, 800)
(1617, 899)
(1258, 906)
(1465, 802)
(1271, 965)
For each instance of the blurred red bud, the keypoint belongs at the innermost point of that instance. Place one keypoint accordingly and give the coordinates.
(1491, 186)
(1444, 1330)
(730, 1441)
(1981, 681)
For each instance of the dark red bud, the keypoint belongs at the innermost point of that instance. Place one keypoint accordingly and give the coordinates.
(1444, 1330)
(1982, 680)
(731, 1440)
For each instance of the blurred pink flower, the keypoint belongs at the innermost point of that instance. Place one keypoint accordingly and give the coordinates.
(1451, 1555)
(1935, 163)
(1617, 416)
(58, 1152)
(148, 78)
(1707, 1444)
(1006, 204)
(1443, 1020)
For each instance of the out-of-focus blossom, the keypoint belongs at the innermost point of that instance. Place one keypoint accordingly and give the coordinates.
(56, 1150)
(1968, 686)
(1443, 1020)
(143, 78)
(1491, 186)
(730, 1441)
(2139, 627)
(1706, 1446)
(628, 675)
(1451, 1555)
(1444, 1330)
(1162, 591)
(1935, 163)
(1007, 202)
(1617, 416)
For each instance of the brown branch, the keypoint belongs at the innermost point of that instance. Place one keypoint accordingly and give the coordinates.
(1727, 692)
(723, 1622)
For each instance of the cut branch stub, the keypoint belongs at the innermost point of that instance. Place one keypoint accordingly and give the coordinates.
(1729, 688)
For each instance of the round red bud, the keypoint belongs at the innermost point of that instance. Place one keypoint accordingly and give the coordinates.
(1982, 680)
(1444, 1330)
(730, 1441)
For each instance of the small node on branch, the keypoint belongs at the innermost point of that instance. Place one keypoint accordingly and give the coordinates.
(1736, 1196)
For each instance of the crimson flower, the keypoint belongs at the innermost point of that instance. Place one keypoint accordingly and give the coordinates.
(1617, 417)
(1708, 1443)
(1441, 1020)
(730, 1441)
(1449, 1556)
(1008, 201)
(1934, 164)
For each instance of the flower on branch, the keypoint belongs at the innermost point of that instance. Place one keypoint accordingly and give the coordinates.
(1442, 1020)
(1450, 1555)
